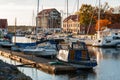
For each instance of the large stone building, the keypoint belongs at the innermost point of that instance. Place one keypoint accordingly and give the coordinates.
(49, 19)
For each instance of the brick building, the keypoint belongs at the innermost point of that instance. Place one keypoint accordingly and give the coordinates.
(3, 26)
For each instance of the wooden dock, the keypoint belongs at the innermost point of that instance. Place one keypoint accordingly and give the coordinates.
(37, 62)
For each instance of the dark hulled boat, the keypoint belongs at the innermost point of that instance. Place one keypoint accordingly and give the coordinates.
(75, 54)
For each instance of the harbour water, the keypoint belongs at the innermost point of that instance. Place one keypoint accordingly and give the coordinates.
(107, 69)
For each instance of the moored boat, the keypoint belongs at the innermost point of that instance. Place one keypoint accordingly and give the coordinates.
(44, 49)
(22, 41)
(76, 54)
(108, 38)
(6, 43)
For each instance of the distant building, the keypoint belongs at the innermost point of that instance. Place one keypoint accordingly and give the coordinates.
(3, 26)
(115, 10)
(71, 24)
(49, 19)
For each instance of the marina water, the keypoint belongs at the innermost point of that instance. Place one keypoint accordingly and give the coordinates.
(107, 69)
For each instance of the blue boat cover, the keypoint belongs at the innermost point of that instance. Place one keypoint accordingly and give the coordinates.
(78, 55)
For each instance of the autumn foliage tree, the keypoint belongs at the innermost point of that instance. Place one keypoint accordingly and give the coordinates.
(103, 23)
(85, 13)
(86, 16)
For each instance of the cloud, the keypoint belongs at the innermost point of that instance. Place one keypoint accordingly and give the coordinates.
(18, 2)
(22, 9)
(23, 13)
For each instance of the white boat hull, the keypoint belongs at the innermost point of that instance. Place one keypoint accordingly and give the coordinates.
(22, 41)
(107, 38)
(41, 51)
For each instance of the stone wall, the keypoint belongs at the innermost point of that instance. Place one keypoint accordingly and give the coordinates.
(10, 72)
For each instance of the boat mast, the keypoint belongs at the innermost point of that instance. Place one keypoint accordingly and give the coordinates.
(15, 30)
(77, 17)
(98, 36)
(37, 17)
(33, 23)
(67, 16)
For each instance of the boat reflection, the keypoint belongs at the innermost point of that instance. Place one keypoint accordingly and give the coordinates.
(113, 53)
(96, 53)
(36, 74)
(83, 75)
(105, 53)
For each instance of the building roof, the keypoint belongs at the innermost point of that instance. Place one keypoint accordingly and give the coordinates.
(72, 17)
(46, 11)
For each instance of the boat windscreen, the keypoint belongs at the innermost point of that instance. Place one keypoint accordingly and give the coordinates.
(78, 46)
(65, 47)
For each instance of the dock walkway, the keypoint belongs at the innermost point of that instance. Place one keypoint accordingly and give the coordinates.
(37, 62)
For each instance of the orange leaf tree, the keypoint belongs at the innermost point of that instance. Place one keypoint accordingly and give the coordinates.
(102, 24)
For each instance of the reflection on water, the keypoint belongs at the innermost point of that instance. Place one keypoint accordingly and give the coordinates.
(36, 74)
(108, 63)
(105, 53)
(113, 53)
(83, 75)
(107, 69)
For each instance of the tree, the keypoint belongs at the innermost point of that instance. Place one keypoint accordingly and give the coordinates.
(103, 24)
(86, 15)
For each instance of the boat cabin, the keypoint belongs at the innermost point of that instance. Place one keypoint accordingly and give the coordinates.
(76, 54)
(75, 51)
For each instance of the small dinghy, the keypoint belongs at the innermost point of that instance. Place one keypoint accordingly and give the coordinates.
(75, 54)
(6, 43)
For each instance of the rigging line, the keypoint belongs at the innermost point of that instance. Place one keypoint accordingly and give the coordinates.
(64, 6)
(74, 7)
(91, 19)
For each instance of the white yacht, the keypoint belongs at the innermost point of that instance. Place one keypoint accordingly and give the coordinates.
(108, 38)
(44, 51)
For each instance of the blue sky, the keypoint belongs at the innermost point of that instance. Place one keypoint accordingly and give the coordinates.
(23, 9)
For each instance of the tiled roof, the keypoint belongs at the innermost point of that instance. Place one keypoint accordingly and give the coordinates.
(46, 11)
(72, 17)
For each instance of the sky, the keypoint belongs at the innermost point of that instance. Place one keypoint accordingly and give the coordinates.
(26, 10)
